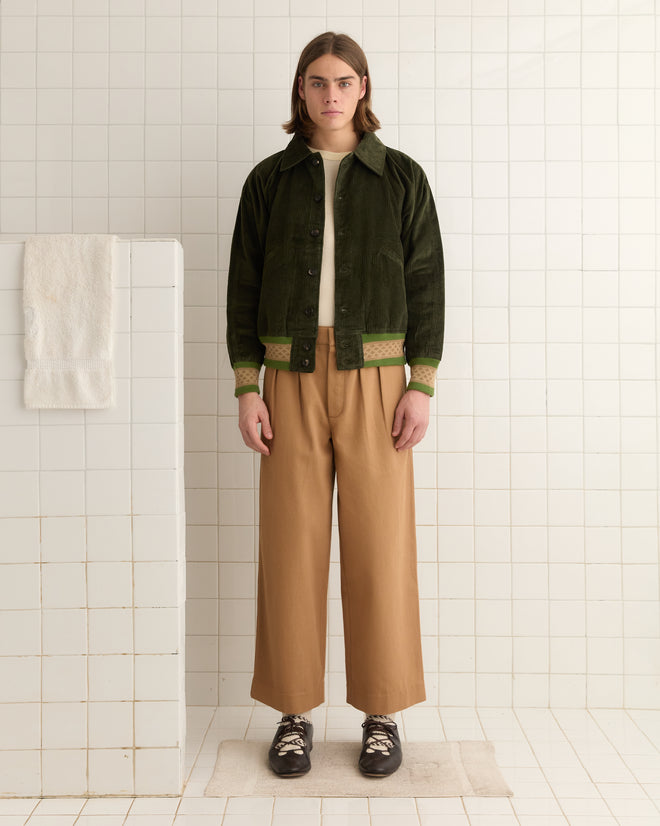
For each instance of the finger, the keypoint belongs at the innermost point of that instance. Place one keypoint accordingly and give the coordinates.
(266, 429)
(415, 439)
(259, 446)
(398, 421)
(252, 440)
(406, 435)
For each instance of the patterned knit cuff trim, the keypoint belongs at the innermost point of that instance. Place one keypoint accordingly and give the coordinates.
(247, 379)
(422, 377)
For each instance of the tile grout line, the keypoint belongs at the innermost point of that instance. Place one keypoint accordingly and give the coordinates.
(587, 771)
(514, 813)
(619, 382)
(546, 428)
(583, 418)
(538, 762)
(620, 754)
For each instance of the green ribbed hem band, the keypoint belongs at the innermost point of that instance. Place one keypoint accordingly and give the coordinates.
(246, 388)
(424, 388)
(276, 340)
(278, 365)
(426, 361)
(383, 336)
(385, 362)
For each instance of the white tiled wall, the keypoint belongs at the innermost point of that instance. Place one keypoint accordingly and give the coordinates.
(536, 123)
(537, 483)
(92, 577)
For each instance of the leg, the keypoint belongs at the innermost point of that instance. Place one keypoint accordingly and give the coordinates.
(295, 509)
(378, 546)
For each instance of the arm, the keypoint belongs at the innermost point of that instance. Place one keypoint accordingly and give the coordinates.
(425, 284)
(244, 287)
(243, 294)
(425, 299)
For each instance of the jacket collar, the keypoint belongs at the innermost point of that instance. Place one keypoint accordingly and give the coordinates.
(370, 151)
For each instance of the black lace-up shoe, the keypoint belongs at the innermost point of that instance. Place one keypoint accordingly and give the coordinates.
(289, 752)
(381, 747)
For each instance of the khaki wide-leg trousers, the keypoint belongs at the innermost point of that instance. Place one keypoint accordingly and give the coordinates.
(328, 422)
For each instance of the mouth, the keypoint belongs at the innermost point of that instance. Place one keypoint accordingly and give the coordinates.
(331, 112)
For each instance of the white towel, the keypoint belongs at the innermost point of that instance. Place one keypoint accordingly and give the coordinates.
(67, 300)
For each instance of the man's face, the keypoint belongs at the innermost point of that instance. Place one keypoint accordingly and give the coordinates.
(331, 90)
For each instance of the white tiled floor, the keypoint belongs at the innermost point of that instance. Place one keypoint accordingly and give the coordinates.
(598, 767)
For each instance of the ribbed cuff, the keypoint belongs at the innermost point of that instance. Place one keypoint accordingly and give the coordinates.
(422, 375)
(246, 375)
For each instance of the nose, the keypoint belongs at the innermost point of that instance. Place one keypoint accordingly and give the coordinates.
(330, 94)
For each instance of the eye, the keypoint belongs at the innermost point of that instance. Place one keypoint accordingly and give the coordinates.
(345, 83)
(317, 83)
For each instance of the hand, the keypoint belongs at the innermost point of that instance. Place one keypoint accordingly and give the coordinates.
(252, 411)
(411, 419)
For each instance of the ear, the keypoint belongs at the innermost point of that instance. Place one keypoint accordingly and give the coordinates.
(301, 90)
(363, 90)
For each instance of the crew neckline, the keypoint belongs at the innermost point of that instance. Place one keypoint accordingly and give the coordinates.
(327, 155)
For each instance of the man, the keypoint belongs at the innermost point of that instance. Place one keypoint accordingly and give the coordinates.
(336, 279)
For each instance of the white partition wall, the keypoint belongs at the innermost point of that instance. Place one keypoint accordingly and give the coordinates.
(92, 578)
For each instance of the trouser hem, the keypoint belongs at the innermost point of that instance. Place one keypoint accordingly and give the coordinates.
(386, 703)
(287, 703)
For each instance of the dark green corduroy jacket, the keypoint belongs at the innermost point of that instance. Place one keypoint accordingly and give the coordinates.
(389, 270)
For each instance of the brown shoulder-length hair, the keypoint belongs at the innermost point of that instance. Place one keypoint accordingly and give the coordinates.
(345, 48)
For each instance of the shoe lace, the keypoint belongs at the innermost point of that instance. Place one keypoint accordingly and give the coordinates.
(291, 736)
(379, 734)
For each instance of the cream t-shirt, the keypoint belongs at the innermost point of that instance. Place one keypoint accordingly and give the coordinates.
(331, 161)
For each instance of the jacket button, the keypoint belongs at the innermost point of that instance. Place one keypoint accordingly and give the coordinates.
(305, 362)
(309, 311)
(312, 271)
(316, 162)
(343, 310)
(315, 232)
(345, 344)
(307, 346)
(318, 198)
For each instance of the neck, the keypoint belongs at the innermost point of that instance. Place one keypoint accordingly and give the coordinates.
(335, 141)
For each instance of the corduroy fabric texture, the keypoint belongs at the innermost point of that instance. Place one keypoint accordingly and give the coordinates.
(389, 266)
